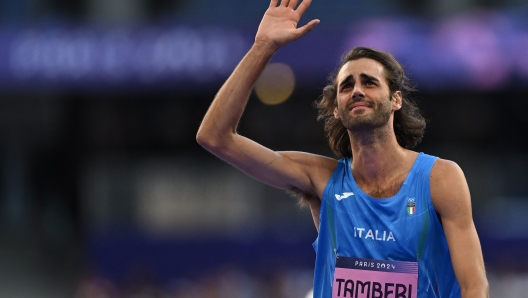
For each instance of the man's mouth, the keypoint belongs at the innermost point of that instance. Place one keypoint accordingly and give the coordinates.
(359, 105)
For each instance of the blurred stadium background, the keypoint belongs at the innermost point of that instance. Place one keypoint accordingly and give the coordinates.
(105, 193)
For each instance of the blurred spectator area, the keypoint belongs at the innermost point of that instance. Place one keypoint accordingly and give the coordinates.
(105, 193)
(232, 11)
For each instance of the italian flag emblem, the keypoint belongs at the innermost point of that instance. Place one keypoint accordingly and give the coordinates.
(411, 206)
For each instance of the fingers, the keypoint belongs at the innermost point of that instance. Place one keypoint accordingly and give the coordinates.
(303, 6)
(290, 3)
(306, 28)
(293, 4)
(285, 3)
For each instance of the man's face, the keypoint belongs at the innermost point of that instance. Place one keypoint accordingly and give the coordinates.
(363, 95)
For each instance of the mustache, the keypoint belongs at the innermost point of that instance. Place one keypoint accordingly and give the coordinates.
(368, 103)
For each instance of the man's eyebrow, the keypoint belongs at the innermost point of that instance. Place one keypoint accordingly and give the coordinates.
(363, 76)
(345, 80)
(368, 77)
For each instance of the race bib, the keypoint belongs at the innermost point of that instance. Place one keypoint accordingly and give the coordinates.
(369, 278)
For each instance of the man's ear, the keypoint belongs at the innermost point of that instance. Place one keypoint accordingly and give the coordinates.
(336, 113)
(397, 100)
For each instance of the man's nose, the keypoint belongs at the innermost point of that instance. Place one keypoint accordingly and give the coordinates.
(357, 93)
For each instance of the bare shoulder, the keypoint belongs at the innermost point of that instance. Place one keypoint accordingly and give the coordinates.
(449, 189)
(318, 167)
(444, 170)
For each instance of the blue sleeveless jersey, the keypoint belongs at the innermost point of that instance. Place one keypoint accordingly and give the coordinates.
(404, 227)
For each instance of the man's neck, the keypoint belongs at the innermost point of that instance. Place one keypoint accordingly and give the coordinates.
(377, 155)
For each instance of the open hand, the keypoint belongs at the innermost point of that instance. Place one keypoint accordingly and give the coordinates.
(279, 24)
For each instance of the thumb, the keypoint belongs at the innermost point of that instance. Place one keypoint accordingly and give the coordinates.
(307, 28)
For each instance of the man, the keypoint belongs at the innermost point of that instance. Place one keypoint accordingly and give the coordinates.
(392, 222)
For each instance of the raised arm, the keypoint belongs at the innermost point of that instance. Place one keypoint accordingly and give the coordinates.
(217, 133)
(451, 199)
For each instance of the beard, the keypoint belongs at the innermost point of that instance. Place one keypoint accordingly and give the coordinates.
(357, 121)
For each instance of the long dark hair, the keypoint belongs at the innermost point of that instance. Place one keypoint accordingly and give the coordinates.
(409, 124)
